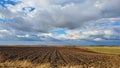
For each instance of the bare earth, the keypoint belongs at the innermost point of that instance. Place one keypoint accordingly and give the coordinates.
(58, 57)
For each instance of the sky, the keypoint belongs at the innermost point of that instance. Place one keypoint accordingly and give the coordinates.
(60, 22)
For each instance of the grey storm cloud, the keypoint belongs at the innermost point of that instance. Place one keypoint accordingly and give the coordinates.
(110, 8)
(98, 16)
(72, 15)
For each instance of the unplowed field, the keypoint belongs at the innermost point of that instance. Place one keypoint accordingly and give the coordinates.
(60, 56)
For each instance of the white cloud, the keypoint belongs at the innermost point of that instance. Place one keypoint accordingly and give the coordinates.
(22, 36)
(93, 32)
(54, 14)
(108, 32)
(5, 31)
(70, 35)
(97, 39)
(45, 34)
(84, 19)
(6, 34)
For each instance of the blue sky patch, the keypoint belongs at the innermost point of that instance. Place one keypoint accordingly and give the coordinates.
(4, 2)
(3, 20)
(61, 31)
(30, 9)
(117, 24)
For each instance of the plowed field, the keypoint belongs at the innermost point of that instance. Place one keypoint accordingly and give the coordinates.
(60, 56)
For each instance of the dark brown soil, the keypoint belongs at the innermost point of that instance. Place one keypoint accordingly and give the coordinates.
(59, 56)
